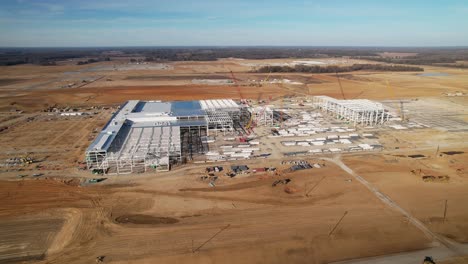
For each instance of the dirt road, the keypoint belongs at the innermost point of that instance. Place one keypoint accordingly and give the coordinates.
(447, 248)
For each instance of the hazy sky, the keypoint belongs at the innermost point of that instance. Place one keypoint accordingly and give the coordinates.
(234, 22)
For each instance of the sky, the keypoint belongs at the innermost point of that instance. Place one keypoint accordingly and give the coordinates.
(91, 23)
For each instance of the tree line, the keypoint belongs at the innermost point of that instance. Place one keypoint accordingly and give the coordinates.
(336, 69)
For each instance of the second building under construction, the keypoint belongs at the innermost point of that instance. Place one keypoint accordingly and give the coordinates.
(357, 111)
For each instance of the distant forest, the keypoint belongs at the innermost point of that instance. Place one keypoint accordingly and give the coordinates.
(335, 69)
(456, 59)
(50, 56)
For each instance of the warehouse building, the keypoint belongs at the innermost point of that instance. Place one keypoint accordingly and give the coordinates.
(156, 134)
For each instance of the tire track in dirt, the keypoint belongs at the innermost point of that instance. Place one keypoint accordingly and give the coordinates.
(72, 127)
(392, 204)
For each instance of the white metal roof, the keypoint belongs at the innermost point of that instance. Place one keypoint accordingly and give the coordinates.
(218, 104)
(157, 113)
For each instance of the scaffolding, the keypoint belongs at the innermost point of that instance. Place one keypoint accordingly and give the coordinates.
(359, 111)
(221, 115)
(157, 134)
(219, 121)
(144, 147)
(262, 115)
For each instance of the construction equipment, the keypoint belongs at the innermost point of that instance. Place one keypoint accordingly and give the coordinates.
(251, 121)
(243, 101)
(100, 259)
(428, 260)
(264, 107)
(399, 108)
(96, 180)
(282, 104)
(251, 124)
(234, 80)
(285, 181)
(264, 81)
(26, 160)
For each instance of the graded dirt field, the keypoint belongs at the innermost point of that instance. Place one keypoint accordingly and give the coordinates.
(402, 178)
(155, 220)
(323, 215)
(114, 82)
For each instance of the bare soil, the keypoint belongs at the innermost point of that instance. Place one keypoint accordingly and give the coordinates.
(60, 221)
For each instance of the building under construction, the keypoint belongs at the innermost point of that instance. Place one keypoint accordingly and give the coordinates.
(155, 134)
(358, 111)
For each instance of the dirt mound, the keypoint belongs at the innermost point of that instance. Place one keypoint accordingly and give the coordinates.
(290, 190)
(140, 219)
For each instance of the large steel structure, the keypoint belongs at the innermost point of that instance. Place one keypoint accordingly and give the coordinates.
(358, 111)
(144, 134)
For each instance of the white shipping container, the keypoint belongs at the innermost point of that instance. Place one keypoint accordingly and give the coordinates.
(345, 141)
(251, 149)
(365, 146)
(236, 155)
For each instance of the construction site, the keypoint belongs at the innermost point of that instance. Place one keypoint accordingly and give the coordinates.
(210, 161)
(157, 135)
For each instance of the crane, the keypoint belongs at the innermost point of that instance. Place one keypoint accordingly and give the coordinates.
(264, 80)
(234, 80)
(243, 101)
(399, 108)
(265, 106)
(251, 122)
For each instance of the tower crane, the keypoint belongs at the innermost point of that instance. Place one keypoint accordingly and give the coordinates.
(400, 107)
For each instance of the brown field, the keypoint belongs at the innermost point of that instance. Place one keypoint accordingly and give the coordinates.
(170, 217)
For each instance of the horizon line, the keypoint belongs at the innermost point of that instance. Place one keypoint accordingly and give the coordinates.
(237, 46)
